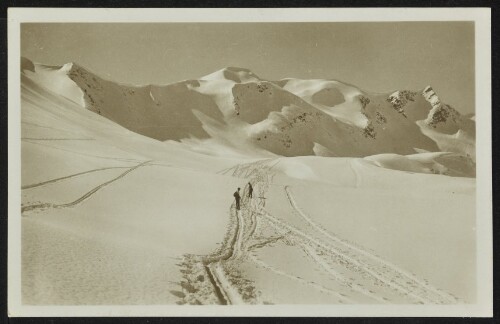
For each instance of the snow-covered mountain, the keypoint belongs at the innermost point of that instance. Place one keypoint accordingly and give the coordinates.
(235, 110)
(126, 193)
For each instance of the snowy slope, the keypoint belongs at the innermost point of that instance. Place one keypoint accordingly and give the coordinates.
(100, 225)
(113, 216)
(434, 163)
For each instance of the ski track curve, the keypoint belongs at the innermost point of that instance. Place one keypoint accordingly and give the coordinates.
(384, 263)
(355, 172)
(338, 277)
(85, 196)
(238, 171)
(262, 264)
(34, 185)
(304, 241)
(304, 245)
(241, 243)
(361, 266)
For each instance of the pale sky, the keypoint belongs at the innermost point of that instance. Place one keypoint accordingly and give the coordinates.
(379, 57)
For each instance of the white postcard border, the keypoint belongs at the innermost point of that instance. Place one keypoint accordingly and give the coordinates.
(482, 18)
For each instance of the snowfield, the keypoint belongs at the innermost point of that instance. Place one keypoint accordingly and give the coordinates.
(127, 192)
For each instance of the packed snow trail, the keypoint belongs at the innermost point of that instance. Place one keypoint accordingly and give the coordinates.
(225, 284)
(356, 275)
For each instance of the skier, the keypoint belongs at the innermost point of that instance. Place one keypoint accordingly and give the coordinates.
(250, 190)
(237, 197)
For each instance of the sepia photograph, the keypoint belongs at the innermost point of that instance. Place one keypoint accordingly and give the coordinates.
(279, 166)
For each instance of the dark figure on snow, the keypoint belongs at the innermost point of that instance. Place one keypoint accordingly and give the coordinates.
(250, 190)
(237, 197)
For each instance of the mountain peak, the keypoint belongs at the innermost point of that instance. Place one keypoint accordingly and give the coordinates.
(68, 66)
(235, 74)
(431, 96)
(236, 69)
(427, 89)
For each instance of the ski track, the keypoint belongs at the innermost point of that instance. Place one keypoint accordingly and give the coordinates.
(392, 267)
(50, 127)
(262, 264)
(265, 242)
(338, 277)
(247, 171)
(337, 252)
(318, 260)
(216, 268)
(238, 246)
(219, 266)
(241, 244)
(85, 196)
(355, 172)
(68, 177)
(304, 243)
(217, 286)
(233, 296)
(239, 236)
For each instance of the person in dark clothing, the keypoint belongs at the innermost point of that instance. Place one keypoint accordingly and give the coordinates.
(237, 197)
(250, 190)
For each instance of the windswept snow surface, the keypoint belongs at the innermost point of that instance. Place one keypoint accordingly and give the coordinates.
(434, 163)
(116, 213)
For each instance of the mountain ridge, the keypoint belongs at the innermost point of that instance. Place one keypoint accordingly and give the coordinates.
(235, 108)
